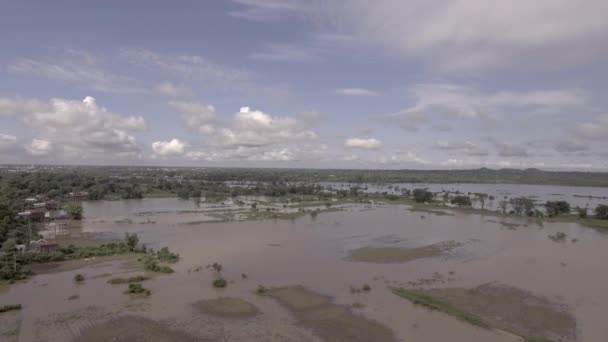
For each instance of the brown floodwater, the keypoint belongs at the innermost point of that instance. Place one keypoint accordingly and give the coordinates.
(312, 252)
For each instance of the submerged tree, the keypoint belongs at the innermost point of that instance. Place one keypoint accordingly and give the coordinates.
(462, 201)
(601, 212)
(422, 195)
(555, 208)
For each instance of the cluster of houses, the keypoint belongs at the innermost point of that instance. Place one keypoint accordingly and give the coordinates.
(39, 209)
(40, 246)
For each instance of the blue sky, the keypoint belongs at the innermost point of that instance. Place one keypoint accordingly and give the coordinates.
(295, 83)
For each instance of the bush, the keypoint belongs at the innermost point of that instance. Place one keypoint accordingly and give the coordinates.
(261, 290)
(522, 205)
(137, 288)
(6, 308)
(422, 195)
(462, 201)
(601, 212)
(582, 212)
(79, 278)
(136, 279)
(74, 210)
(555, 208)
(164, 254)
(220, 283)
(366, 288)
(131, 240)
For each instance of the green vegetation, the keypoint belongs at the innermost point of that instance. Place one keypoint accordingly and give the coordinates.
(555, 208)
(79, 278)
(7, 308)
(503, 307)
(136, 279)
(462, 201)
(151, 263)
(131, 240)
(74, 210)
(137, 288)
(601, 212)
(220, 283)
(399, 254)
(434, 303)
(422, 195)
(227, 307)
(261, 290)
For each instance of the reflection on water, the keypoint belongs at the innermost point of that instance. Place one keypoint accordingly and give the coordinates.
(313, 252)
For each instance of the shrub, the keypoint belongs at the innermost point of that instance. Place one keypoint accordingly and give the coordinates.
(131, 240)
(136, 279)
(555, 208)
(261, 289)
(366, 288)
(522, 205)
(6, 308)
(137, 288)
(78, 278)
(422, 195)
(462, 201)
(582, 212)
(601, 212)
(220, 283)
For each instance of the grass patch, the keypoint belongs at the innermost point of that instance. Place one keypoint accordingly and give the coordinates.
(136, 279)
(10, 307)
(228, 307)
(400, 254)
(137, 288)
(434, 303)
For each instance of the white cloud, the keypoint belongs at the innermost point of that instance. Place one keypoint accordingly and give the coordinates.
(171, 90)
(256, 128)
(596, 130)
(39, 147)
(174, 147)
(80, 129)
(260, 10)
(473, 34)
(7, 141)
(357, 92)
(566, 146)
(450, 100)
(288, 53)
(468, 148)
(368, 144)
(459, 36)
(510, 150)
(84, 71)
(197, 115)
(275, 155)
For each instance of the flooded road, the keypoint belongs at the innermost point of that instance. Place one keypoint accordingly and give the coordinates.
(315, 253)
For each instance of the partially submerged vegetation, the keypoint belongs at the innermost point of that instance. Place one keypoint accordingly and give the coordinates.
(502, 307)
(400, 254)
(227, 307)
(135, 279)
(421, 298)
(10, 307)
(330, 321)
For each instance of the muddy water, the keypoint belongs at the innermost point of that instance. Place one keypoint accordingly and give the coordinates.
(314, 253)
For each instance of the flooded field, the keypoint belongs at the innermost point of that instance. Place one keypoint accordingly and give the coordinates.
(329, 277)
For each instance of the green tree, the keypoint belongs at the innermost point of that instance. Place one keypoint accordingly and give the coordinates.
(462, 201)
(555, 208)
(601, 212)
(422, 195)
(74, 210)
(131, 240)
(522, 205)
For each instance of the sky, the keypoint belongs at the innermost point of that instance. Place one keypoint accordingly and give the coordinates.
(382, 84)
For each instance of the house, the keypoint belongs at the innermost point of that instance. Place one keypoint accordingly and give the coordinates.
(43, 246)
(79, 196)
(52, 205)
(37, 214)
